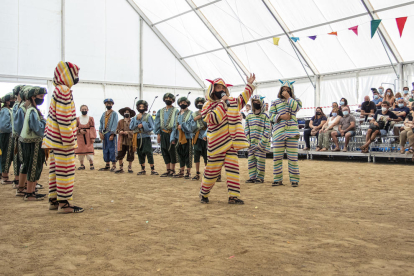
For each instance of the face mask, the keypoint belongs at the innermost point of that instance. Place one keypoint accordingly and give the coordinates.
(405, 91)
(366, 102)
(11, 103)
(126, 115)
(142, 111)
(388, 93)
(380, 90)
(342, 103)
(76, 81)
(168, 102)
(345, 113)
(256, 106)
(334, 114)
(401, 105)
(318, 113)
(219, 94)
(384, 109)
(375, 96)
(199, 106)
(84, 112)
(108, 107)
(183, 106)
(39, 101)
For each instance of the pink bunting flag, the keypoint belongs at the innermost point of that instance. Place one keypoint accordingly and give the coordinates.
(313, 37)
(354, 29)
(400, 24)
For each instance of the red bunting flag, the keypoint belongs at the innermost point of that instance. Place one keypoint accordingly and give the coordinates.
(354, 29)
(333, 33)
(400, 24)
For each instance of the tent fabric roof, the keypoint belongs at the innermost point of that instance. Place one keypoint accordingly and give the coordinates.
(247, 27)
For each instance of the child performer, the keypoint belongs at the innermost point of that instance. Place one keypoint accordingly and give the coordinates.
(142, 125)
(200, 137)
(285, 133)
(60, 139)
(164, 126)
(107, 132)
(183, 135)
(31, 138)
(225, 136)
(16, 159)
(125, 139)
(6, 136)
(85, 135)
(257, 132)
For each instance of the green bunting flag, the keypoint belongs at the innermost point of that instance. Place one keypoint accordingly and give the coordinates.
(374, 26)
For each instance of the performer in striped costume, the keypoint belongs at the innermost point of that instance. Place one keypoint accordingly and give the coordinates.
(200, 137)
(257, 130)
(225, 136)
(183, 136)
(285, 133)
(6, 136)
(60, 139)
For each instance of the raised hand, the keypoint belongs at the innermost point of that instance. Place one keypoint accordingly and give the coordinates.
(251, 79)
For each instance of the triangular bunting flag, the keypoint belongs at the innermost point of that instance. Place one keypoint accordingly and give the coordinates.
(295, 39)
(312, 37)
(374, 26)
(354, 29)
(333, 33)
(276, 40)
(401, 23)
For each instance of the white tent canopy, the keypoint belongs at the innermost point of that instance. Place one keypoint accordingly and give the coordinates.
(144, 48)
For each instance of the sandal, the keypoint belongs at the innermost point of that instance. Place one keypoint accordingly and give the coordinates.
(53, 204)
(6, 182)
(197, 176)
(107, 168)
(15, 184)
(410, 151)
(250, 180)
(179, 175)
(204, 199)
(154, 172)
(143, 173)
(187, 176)
(74, 209)
(33, 197)
(172, 172)
(318, 149)
(402, 151)
(259, 181)
(82, 167)
(218, 178)
(91, 167)
(235, 200)
(19, 191)
(114, 167)
(130, 170)
(166, 174)
(121, 169)
(295, 184)
(277, 183)
(39, 186)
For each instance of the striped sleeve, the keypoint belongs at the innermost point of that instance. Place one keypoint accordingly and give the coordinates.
(274, 115)
(216, 115)
(244, 97)
(247, 129)
(66, 118)
(264, 142)
(294, 104)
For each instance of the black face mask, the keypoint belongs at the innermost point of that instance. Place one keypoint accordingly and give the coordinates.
(39, 101)
(199, 106)
(11, 103)
(168, 102)
(366, 102)
(219, 94)
(126, 115)
(141, 110)
(76, 81)
(318, 113)
(84, 112)
(108, 107)
(256, 106)
(183, 106)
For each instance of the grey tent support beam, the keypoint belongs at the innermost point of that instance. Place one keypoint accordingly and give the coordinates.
(223, 44)
(62, 30)
(166, 43)
(180, 14)
(382, 31)
(141, 63)
(317, 90)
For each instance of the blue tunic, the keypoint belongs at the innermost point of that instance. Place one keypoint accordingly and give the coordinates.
(157, 127)
(5, 121)
(112, 123)
(35, 125)
(18, 119)
(147, 126)
(188, 127)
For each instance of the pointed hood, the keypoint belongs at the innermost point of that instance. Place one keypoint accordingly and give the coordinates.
(262, 104)
(65, 74)
(210, 89)
(286, 84)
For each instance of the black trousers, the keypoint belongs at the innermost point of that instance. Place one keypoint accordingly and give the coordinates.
(307, 134)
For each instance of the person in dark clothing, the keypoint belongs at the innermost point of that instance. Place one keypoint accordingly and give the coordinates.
(315, 125)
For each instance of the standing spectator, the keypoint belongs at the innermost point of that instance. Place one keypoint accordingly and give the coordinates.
(407, 132)
(325, 132)
(86, 135)
(376, 98)
(335, 105)
(379, 125)
(346, 129)
(154, 114)
(389, 97)
(267, 109)
(368, 108)
(315, 125)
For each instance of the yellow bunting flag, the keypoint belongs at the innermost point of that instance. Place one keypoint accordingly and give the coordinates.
(276, 40)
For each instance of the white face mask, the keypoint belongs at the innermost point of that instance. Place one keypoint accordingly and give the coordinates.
(384, 109)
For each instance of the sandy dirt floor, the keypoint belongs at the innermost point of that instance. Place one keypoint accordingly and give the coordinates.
(344, 219)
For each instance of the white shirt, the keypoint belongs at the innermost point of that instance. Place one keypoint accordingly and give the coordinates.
(83, 119)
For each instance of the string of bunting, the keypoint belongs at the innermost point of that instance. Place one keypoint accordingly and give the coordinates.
(374, 26)
(314, 107)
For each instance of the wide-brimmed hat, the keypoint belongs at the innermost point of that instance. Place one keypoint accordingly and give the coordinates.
(122, 111)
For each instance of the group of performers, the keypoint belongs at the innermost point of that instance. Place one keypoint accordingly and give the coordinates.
(214, 132)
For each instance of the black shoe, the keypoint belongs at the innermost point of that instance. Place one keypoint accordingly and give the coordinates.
(277, 183)
(235, 200)
(295, 184)
(251, 180)
(204, 199)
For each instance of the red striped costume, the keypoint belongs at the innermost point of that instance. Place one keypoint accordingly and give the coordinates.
(225, 135)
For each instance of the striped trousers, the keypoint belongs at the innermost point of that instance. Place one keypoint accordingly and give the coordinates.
(291, 146)
(256, 163)
(61, 173)
(213, 170)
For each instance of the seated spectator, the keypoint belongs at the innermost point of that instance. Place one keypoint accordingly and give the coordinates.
(381, 92)
(376, 98)
(315, 125)
(343, 102)
(407, 132)
(406, 95)
(412, 96)
(379, 125)
(397, 96)
(346, 128)
(325, 132)
(389, 97)
(335, 105)
(368, 108)
(401, 110)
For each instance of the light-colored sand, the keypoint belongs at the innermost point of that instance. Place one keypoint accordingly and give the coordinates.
(344, 219)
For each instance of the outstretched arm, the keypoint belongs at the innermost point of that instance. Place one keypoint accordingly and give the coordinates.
(244, 97)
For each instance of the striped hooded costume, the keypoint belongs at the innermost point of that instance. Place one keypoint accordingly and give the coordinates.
(6, 135)
(257, 130)
(60, 132)
(285, 134)
(225, 137)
